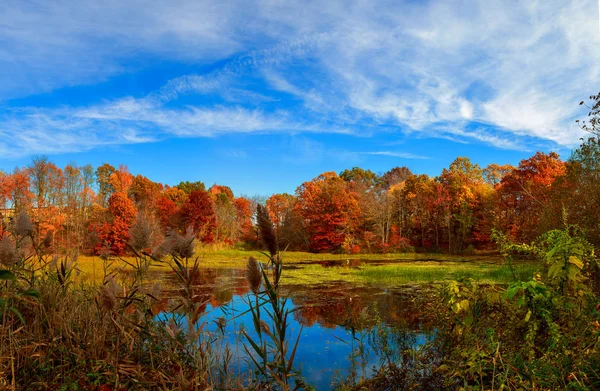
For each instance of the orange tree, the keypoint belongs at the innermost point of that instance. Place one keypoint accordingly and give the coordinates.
(329, 210)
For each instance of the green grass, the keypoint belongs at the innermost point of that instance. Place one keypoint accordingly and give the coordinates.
(415, 273)
(408, 273)
(298, 256)
(400, 269)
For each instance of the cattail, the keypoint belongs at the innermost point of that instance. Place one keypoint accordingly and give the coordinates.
(178, 245)
(159, 252)
(108, 299)
(8, 253)
(265, 228)
(23, 226)
(254, 275)
(172, 329)
(187, 244)
(140, 233)
(265, 327)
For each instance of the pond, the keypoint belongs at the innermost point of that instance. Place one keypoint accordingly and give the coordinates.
(337, 320)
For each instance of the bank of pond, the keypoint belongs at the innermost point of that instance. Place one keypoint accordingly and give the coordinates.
(350, 324)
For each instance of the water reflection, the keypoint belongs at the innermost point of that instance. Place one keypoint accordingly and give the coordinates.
(339, 321)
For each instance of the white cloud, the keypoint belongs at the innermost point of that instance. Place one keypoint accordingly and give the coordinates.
(516, 69)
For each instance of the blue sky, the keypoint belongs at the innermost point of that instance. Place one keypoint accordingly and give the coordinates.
(262, 96)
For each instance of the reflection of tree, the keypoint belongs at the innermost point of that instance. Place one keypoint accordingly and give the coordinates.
(217, 287)
(360, 307)
(329, 306)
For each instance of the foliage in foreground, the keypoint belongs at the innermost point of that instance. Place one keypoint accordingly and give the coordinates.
(542, 333)
(126, 333)
(539, 334)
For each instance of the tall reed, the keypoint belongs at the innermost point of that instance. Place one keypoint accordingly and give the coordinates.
(270, 351)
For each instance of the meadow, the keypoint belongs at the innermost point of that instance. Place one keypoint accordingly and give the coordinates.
(389, 270)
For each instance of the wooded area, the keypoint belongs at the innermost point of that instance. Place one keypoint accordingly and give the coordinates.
(94, 210)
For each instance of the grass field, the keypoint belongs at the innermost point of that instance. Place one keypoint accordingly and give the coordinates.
(303, 268)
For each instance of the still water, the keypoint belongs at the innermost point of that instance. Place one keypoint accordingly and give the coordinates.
(338, 322)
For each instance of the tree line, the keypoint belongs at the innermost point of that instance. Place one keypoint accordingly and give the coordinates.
(356, 210)
(353, 211)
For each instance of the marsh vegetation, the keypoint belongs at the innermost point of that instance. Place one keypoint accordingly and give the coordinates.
(414, 283)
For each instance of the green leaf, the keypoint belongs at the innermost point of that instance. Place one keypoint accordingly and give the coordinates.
(31, 293)
(528, 316)
(468, 320)
(554, 270)
(456, 308)
(576, 261)
(16, 312)
(511, 292)
(7, 275)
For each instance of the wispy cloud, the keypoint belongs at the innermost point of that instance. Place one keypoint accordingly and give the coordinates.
(508, 75)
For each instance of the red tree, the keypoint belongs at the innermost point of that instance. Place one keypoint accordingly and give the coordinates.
(198, 212)
(329, 210)
(524, 194)
(116, 234)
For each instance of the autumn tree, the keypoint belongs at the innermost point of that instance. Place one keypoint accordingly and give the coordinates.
(524, 195)
(46, 180)
(243, 207)
(105, 188)
(463, 184)
(189, 187)
(199, 213)
(287, 221)
(168, 209)
(73, 192)
(395, 176)
(329, 210)
(144, 192)
(582, 201)
(19, 187)
(226, 225)
(113, 232)
(494, 173)
(412, 206)
(372, 225)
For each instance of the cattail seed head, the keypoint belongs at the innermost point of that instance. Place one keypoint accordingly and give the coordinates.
(108, 299)
(265, 327)
(265, 228)
(159, 252)
(254, 275)
(177, 245)
(140, 233)
(23, 225)
(172, 329)
(8, 252)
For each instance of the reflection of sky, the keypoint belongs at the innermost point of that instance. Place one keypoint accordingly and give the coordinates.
(323, 354)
